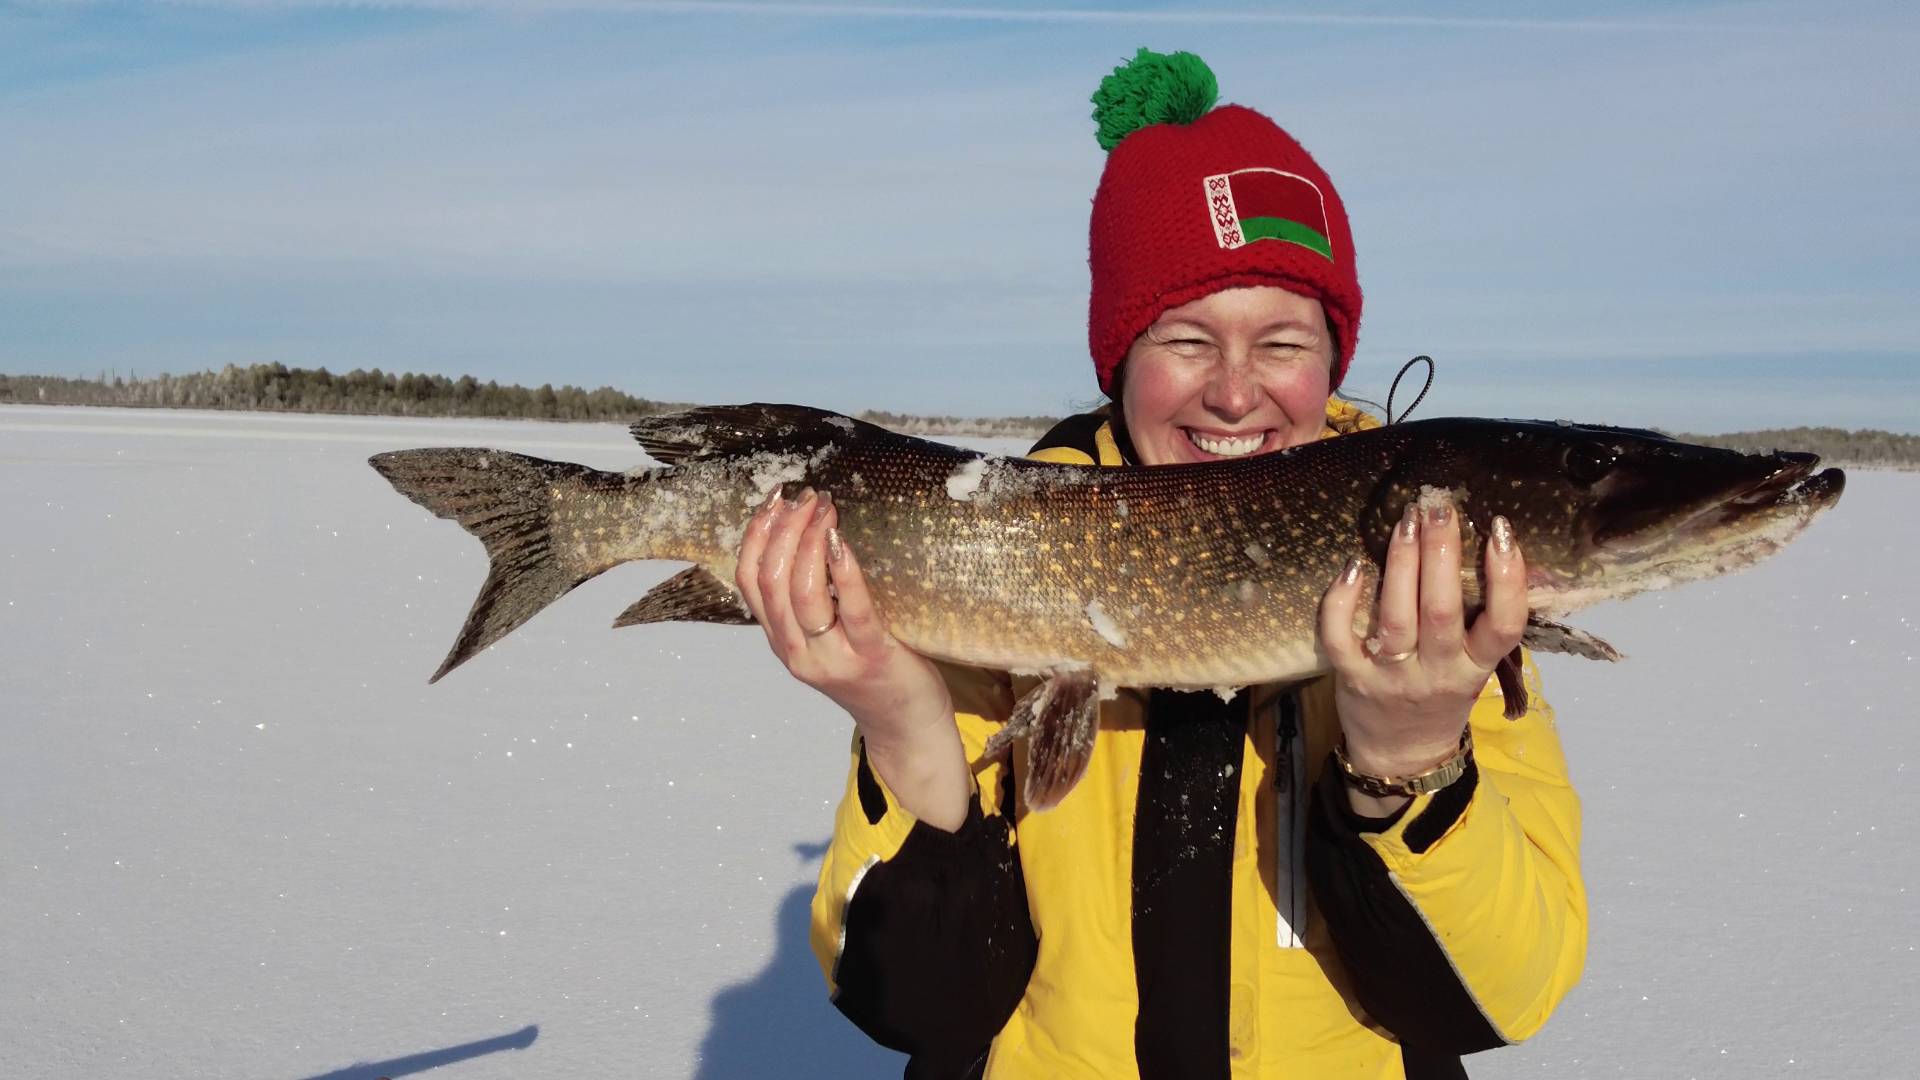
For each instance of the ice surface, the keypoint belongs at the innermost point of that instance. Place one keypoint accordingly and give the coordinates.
(243, 837)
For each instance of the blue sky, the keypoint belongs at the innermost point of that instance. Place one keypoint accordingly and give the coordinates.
(1655, 214)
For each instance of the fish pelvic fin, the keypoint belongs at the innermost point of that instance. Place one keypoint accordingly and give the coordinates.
(1544, 635)
(1058, 719)
(507, 500)
(1513, 685)
(692, 595)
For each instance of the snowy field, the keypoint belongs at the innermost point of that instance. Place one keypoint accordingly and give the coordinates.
(241, 837)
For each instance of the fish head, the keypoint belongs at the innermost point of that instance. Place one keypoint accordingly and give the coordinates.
(1603, 513)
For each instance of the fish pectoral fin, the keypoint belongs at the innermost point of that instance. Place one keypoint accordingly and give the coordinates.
(1513, 686)
(1544, 635)
(1058, 719)
(692, 595)
(723, 430)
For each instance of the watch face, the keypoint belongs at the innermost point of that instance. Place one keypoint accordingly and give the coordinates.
(1439, 778)
(1434, 779)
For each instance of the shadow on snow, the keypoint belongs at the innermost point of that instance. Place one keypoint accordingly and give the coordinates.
(433, 1059)
(780, 1023)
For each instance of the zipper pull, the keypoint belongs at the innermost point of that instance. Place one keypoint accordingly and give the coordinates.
(1284, 732)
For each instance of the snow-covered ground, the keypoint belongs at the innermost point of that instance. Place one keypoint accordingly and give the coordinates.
(241, 837)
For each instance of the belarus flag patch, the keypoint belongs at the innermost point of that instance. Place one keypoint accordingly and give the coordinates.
(1267, 204)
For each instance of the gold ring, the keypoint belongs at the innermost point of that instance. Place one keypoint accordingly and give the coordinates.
(831, 623)
(1393, 658)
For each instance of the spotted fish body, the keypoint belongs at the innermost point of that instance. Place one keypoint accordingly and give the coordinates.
(1188, 576)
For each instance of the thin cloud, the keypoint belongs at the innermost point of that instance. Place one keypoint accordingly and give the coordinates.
(965, 13)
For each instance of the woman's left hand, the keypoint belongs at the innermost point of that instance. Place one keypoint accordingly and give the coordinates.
(1404, 695)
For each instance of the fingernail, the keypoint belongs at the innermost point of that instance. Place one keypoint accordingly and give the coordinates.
(836, 550)
(806, 496)
(1440, 513)
(1352, 573)
(772, 499)
(1502, 535)
(826, 504)
(1410, 523)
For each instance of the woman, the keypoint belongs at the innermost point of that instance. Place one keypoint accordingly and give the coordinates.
(1329, 878)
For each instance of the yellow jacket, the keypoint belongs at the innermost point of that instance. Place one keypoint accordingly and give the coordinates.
(1205, 902)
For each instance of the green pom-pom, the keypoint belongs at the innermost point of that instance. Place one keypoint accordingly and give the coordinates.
(1152, 88)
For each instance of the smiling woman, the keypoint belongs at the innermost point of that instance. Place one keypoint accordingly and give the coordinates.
(1369, 873)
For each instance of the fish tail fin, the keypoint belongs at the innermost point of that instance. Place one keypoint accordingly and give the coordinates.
(507, 501)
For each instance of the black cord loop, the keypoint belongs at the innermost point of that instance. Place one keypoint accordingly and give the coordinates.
(1404, 368)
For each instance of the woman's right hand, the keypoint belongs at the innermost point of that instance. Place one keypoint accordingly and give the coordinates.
(791, 553)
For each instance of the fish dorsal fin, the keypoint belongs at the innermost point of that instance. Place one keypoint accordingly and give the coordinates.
(727, 430)
(692, 595)
(1058, 718)
(1544, 635)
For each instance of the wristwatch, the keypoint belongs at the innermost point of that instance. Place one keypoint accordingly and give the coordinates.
(1382, 787)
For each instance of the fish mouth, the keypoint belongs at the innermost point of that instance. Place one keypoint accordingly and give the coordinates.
(1791, 491)
(1745, 523)
(1793, 480)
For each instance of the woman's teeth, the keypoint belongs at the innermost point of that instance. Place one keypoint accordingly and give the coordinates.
(1238, 446)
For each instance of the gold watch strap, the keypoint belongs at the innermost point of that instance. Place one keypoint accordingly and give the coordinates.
(1382, 787)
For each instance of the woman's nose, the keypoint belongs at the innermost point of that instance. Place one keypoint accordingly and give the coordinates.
(1232, 392)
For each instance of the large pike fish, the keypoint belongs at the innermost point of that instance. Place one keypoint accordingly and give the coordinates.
(1186, 576)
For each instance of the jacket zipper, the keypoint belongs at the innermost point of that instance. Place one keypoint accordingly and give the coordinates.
(1289, 782)
(1284, 730)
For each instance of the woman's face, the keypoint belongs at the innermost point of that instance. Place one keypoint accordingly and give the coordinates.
(1242, 371)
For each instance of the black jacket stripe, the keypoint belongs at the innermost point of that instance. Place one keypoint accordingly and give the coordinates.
(1183, 882)
(939, 946)
(1401, 975)
(1422, 1064)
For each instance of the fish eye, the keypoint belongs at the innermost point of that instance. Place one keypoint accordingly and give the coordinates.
(1586, 464)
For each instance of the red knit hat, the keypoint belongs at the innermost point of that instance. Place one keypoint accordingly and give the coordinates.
(1193, 201)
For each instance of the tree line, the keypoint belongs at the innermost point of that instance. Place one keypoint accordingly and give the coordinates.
(1023, 427)
(1836, 446)
(276, 387)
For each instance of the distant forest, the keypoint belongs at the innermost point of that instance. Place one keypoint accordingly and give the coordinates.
(1836, 446)
(278, 388)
